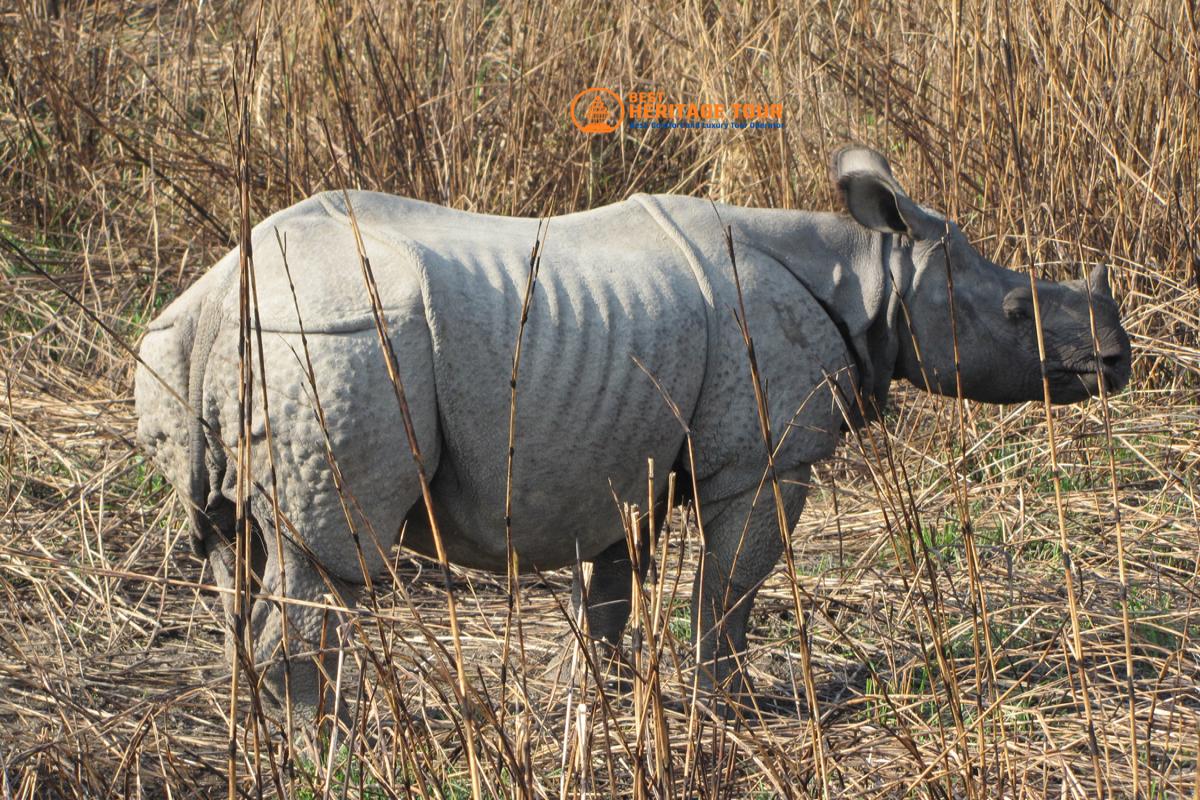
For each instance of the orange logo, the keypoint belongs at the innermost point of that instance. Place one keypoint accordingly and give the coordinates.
(602, 110)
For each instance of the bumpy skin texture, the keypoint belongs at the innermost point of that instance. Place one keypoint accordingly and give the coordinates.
(633, 302)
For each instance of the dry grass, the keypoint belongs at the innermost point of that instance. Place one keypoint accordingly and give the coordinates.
(931, 558)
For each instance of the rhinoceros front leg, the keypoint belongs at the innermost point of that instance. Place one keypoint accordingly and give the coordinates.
(742, 545)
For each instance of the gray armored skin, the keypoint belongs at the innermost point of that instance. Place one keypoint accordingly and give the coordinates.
(838, 305)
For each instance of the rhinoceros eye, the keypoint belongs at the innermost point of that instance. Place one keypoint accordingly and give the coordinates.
(1018, 304)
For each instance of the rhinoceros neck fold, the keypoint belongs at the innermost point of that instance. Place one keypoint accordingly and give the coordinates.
(856, 275)
(838, 261)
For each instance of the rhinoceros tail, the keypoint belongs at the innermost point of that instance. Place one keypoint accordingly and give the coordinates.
(169, 398)
(205, 520)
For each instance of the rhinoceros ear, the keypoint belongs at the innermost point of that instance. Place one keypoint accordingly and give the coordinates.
(1098, 280)
(874, 197)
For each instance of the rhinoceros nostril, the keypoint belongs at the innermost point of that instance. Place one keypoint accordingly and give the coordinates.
(1112, 362)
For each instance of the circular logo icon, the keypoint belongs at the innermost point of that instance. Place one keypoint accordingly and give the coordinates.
(597, 110)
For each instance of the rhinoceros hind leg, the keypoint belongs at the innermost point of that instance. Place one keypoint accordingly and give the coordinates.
(609, 591)
(286, 588)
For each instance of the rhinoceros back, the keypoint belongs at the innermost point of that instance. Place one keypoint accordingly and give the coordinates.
(618, 319)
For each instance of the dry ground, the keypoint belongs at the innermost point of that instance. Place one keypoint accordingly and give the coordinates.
(933, 561)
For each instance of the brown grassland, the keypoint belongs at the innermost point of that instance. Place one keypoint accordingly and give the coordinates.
(933, 617)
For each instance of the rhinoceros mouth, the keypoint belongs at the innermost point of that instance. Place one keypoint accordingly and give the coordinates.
(1084, 378)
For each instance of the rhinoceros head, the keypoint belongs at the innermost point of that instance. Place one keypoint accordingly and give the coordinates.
(995, 316)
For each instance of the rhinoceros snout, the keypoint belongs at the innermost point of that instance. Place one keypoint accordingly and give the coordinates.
(1115, 355)
(1078, 378)
(1116, 371)
(1074, 383)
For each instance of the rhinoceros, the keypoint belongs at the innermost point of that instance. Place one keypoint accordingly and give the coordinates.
(633, 344)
